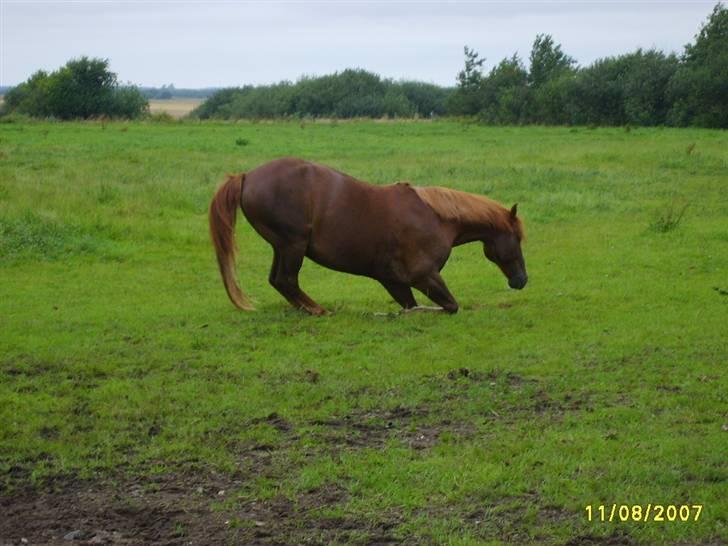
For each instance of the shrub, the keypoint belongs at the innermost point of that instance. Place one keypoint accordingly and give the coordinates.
(83, 88)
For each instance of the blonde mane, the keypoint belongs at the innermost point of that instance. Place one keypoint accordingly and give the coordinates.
(470, 208)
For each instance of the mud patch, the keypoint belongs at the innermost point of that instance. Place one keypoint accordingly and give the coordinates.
(182, 509)
(171, 509)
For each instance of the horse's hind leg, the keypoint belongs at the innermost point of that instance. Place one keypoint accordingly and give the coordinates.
(401, 293)
(287, 262)
(435, 288)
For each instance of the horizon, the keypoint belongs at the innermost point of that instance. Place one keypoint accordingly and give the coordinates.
(419, 41)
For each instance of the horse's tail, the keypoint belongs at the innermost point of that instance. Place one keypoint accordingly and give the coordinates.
(223, 212)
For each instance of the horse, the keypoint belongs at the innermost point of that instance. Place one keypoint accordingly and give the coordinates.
(398, 234)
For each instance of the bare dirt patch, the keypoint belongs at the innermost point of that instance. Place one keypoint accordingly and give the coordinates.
(173, 509)
(180, 509)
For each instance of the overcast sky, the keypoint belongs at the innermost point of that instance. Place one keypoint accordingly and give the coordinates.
(216, 43)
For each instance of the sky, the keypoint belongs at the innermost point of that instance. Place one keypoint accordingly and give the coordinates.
(221, 43)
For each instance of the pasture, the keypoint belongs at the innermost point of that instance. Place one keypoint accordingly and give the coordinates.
(138, 406)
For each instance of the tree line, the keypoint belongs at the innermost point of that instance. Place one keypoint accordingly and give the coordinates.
(640, 88)
(348, 94)
(645, 87)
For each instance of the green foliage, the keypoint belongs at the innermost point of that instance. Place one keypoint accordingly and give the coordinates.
(83, 88)
(645, 88)
(427, 98)
(699, 88)
(547, 61)
(597, 98)
(348, 94)
(550, 73)
(467, 100)
(127, 103)
(505, 93)
(218, 105)
(31, 97)
(630, 89)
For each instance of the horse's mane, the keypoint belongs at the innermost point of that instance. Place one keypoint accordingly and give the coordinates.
(460, 206)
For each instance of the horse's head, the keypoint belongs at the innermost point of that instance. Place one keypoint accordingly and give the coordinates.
(504, 250)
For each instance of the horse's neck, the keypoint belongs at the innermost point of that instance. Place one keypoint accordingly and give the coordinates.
(468, 232)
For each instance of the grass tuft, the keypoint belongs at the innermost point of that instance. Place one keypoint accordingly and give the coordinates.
(669, 218)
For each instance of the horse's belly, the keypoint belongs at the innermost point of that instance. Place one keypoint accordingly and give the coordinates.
(348, 256)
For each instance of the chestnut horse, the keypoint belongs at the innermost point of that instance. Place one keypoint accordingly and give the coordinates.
(400, 235)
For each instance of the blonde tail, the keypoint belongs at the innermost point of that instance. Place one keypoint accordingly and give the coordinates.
(223, 212)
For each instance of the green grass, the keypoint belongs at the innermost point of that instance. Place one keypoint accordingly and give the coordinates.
(602, 382)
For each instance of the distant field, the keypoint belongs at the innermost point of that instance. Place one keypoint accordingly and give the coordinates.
(174, 107)
(138, 406)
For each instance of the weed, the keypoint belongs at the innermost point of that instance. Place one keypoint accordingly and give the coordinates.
(669, 218)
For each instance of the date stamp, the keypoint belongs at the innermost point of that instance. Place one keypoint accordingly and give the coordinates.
(657, 513)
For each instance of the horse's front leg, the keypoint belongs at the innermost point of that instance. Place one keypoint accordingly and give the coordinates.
(401, 293)
(435, 288)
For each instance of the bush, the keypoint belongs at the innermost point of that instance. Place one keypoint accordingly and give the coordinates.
(83, 88)
(426, 99)
(351, 93)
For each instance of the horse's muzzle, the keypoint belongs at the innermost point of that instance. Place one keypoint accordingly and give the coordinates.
(518, 282)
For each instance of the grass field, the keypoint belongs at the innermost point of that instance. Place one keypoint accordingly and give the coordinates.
(177, 107)
(138, 406)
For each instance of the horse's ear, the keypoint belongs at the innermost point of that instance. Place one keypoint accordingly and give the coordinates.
(514, 209)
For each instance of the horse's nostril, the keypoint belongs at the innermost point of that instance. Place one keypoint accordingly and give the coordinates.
(518, 282)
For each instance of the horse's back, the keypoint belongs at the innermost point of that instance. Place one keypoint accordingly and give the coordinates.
(280, 195)
(347, 225)
(297, 193)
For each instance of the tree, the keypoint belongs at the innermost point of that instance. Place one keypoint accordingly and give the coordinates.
(30, 97)
(466, 99)
(699, 87)
(472, 74)
(550, 75)
(645, 85)
(504, 93)
(83, 88)
(547, 61)
(597, 94)
(426, 98)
